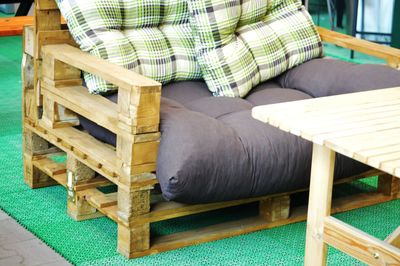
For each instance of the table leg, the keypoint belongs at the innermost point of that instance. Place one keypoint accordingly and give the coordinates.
(319, 206)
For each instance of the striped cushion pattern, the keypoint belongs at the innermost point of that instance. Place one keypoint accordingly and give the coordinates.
(241, 43)
(150, 37)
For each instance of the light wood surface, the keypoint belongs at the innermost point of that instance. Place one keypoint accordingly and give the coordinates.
(391, 55)
(122, 77)
(323, 165)
(364, 126)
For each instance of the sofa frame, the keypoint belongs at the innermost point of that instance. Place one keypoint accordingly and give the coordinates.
(53, 95)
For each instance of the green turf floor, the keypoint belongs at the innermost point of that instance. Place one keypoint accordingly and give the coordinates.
(43, 211)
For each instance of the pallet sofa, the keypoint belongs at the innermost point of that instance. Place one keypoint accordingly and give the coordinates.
(54, 98)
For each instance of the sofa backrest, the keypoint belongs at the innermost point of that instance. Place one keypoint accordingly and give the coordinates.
(151, 37)
(163, 40)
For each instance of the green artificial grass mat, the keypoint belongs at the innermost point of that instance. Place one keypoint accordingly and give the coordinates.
(93, 242)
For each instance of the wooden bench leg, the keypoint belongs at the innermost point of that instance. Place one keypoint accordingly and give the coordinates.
(78, 208)
(35, 146)
(389, 185)
(133, 237)
(275, 208)
(319, 205)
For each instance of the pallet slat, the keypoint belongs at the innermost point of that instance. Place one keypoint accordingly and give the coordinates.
(239, 227)
(98, 199)
(75, 97)
(56, 171)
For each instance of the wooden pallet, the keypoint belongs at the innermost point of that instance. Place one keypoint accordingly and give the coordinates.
(53, 95)
(274, 211)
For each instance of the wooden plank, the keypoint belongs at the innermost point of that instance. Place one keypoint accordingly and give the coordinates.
(92, 183)
(46, 4)
(121, 77)
(363, 155)
(392, 55)
(275, 114)
(379, 160)
(394, 238)
(323, 164)
(56, 116)
(14, 25)
(29, 40)
(111, 212)
(101, 157)
(99, 199)
(162, 210)
(387, 124)
(248, 225)
(48, 166)
(358, 244)
(328, 121)
(47, 20)
(94, 153)
(391, 167)
(78, 99)
(357, 143)
(52, 37)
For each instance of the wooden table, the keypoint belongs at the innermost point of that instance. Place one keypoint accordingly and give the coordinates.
(364, 126)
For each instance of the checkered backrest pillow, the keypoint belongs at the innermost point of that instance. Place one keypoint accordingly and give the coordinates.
(151, 37)
(241, 43)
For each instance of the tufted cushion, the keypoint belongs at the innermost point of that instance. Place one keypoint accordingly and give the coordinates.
(151, 37)
(240, 44)
(211, 149)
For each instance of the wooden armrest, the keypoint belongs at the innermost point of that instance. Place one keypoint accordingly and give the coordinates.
(135, 119)
(390, 54)
(138, 98)
(117, 75)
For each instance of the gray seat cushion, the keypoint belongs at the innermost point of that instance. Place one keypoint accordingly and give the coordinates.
(213, 150)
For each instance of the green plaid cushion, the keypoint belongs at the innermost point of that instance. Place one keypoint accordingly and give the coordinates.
(241, 43)
(151, 37)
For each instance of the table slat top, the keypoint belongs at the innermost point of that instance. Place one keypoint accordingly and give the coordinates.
(364, 125)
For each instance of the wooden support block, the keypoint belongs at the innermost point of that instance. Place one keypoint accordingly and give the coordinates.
(46, 4)
(275, 208)
(133, 238)
(52, 37)
(78, 208)
(394, 238)
(139, 109)
(33, 145)
(29, 108)
(47, 20)
(56, 116)
(389, 185)
(134, 155)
